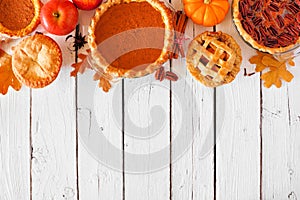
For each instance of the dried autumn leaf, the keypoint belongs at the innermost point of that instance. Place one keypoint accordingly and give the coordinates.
(103, 82)
(277, 70)
(80, 66)
(291, 63)
(7, 77)
(257, 58)
(286, 75)
(260, 67)
(269, 60)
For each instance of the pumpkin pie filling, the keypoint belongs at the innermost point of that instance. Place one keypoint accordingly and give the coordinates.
(133, 45)
(16, 14)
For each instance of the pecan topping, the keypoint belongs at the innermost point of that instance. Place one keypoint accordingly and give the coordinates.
(257, 35)
(273, 31)
(272, 23)
(267, 15)
(247, 26)
(293, 8)
(271, 42)
(257, 21)
(160, 74)
(171, 76)
(280, 21)
(273, 7)
(242, 8)
(256, 6)
(288, 18)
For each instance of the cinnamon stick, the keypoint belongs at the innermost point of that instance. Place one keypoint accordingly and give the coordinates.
(180, 25)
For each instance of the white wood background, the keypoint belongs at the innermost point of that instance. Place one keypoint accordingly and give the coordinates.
(45, 135)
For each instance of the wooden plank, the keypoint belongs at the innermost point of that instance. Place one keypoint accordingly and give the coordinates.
(15, 145)
(203, 143)
(98, 177)
(146, 139)
(280, 136)
(53, 135)
(192, 159)
(100, 169)
(14, 140)
(238, 130)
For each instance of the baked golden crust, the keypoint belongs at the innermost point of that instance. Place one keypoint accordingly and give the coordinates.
(249, 39)
(214, 58)
(36, 61)
(6, 32)
(101, 63)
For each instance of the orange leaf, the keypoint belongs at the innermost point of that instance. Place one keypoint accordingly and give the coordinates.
(291, 63)
(79, 67)
(103, 82)
(7, 77)
(286, 75)
(269, 60)
(260, 67)
(277, 70)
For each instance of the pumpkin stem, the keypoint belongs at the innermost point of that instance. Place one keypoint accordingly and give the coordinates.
(207, 1)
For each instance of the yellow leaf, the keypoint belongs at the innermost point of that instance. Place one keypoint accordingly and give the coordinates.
(269, 60)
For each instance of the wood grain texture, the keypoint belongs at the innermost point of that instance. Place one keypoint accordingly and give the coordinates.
(192, 118)
(280, 128)
(147, 126)
(96, 117)
(99, 132)
(53, 135)
(15, 145)
(238, 129)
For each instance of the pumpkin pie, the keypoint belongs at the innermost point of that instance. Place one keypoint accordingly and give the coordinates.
(19, 17)
(36, 61)
(130, 38)
(214, 58)
(271, 26)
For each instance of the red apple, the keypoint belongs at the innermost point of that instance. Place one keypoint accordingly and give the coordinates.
(59, 17)
(87, 4)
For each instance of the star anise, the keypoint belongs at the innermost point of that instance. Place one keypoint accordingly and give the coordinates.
(79, 40)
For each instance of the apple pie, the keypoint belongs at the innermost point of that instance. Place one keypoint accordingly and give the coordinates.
(214, 58)
(36, 61)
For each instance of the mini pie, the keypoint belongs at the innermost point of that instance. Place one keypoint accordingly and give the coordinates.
(36, 61)
(130, 38)
(214, 58)
(19, 17)
(271, 26)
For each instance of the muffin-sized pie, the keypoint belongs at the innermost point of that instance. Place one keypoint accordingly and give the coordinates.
(36, 61)
(214, 58)
(130, 38)
(19, 17)
(271, 26)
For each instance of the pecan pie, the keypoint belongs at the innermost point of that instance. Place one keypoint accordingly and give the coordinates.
(271, 26)
(214, 58)
(36, 61)
(130, 38)
(19, 17)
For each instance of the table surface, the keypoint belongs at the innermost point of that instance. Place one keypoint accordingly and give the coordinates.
(147, 139)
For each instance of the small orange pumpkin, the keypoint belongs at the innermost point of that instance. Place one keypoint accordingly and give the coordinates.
(206, 12)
